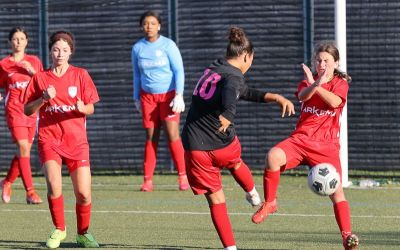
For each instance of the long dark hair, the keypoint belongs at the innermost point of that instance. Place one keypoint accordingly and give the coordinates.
(238, 43)
(330, 48)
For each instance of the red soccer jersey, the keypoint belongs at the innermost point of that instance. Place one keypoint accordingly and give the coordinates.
(61, 126)
(318, 120)
(14, 78)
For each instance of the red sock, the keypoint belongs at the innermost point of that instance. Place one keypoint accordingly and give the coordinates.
(25, 170)
(243, 177)
(177, 153)
(220, 218)
(13, 172)
(83, 217)
(149, 164)
(342, 215)
(271, 182)
(56, 207)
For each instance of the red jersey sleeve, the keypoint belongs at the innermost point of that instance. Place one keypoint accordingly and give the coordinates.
(341, 88)
(303, 84)
(32, 91)
(89, 91)
(38, 65)
(3, 77)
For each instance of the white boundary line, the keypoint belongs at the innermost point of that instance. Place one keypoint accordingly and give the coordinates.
(197, 213)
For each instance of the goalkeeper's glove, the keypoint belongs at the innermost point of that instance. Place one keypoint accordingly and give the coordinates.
(177, 104)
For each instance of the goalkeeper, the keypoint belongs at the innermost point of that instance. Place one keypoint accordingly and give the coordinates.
(158, 79)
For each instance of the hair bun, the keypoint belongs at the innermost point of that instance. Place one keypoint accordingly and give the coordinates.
(236, 35)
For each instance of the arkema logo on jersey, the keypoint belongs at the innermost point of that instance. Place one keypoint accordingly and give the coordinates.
(60, 108)
(318, 112)
(19, 85)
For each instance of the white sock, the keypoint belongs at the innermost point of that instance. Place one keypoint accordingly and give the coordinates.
(253, 191)
(230, 248)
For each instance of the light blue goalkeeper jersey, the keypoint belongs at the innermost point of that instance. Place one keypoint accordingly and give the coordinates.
(157, 67)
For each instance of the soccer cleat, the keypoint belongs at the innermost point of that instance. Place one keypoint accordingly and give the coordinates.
(350, 242)
(86, 241)
(55, 238)
(253, 199)
(183, 183)
(263, 212)
(32, 197)
(6, 191)
(147, 186)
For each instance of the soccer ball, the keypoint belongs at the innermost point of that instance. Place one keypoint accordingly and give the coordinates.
(323, 179)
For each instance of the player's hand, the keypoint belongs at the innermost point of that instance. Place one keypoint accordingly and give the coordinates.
(224, 124)
(326, 75)
(177, 104)
(1, 97)
(308, 74)
(26, 65)
(138, 106)
(49, 93)
(286, 105)
(80, 106)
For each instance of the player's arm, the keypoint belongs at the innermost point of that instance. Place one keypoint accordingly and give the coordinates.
(229, 95)
(33, 106)
(287, 106)
(86, 109)
(176, 63)
(255, 95)
(314, 87)
(136, 75)
(334, 101)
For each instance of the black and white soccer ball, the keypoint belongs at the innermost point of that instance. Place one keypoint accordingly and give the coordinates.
(323, 179)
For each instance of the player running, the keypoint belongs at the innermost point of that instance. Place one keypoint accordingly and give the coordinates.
(15, 72)
(209, 136)
(64, 95)
(158, 78)
(316, 137)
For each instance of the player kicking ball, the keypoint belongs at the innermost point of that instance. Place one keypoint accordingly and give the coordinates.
(209, 135)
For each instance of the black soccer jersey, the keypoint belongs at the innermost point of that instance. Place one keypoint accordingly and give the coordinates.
(216, 93)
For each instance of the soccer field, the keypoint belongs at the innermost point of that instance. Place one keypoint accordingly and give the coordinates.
(124, 218)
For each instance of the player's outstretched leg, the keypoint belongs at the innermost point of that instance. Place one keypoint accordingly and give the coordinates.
(270, 206)
(244, 178)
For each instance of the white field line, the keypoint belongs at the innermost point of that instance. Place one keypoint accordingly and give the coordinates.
(160, 186)
(195, 213)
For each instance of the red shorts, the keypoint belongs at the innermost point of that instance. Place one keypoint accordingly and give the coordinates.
(203, 167)
(23, 133)
(300, 150)
(155, 109)
(72, 164)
